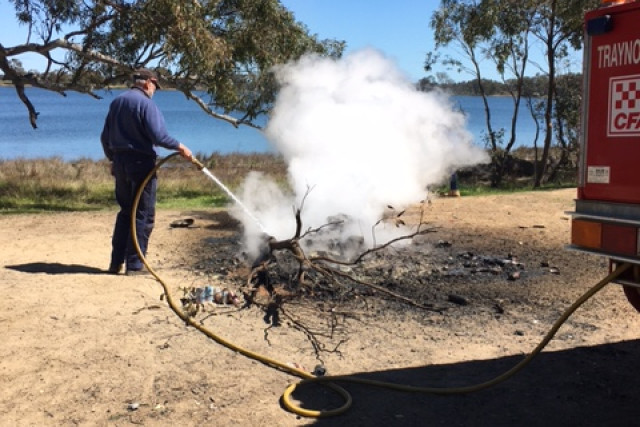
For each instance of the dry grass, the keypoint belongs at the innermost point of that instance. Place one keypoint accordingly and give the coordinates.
(28, 185)
(54, 184)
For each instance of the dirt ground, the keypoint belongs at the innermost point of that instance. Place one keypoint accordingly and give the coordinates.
(81, 347)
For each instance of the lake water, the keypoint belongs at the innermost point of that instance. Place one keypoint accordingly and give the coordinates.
(69, 127)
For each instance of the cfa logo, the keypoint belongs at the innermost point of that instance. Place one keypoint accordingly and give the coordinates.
(624, 106)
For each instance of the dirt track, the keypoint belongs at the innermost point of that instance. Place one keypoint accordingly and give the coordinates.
(80, 346)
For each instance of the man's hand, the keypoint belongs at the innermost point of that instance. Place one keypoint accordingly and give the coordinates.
(185, 152)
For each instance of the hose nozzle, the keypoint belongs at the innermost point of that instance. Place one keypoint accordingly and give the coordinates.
(197, 163)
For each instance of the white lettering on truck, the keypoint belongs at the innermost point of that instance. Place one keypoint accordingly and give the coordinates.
(619, 54)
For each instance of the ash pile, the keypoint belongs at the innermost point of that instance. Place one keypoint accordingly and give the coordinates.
(424, 269)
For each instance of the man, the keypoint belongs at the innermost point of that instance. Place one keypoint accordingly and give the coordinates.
(134, 125)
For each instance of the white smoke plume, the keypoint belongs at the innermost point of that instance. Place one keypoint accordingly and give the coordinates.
(356, 136)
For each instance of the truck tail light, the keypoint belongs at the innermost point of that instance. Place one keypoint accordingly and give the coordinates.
(606, 238)
(586, 234)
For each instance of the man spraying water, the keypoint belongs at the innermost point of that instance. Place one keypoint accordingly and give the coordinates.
(133, 127)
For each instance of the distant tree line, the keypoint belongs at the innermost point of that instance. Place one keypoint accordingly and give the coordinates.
(533, 86)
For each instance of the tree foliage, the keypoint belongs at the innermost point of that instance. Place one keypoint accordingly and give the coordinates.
(223, 48)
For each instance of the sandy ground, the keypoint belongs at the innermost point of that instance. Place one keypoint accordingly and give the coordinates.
(80, 347)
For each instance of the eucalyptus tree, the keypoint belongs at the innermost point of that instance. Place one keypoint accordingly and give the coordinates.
(501, 33)
(461, 24)
(484, 30)
(558, 25)
(219, 53)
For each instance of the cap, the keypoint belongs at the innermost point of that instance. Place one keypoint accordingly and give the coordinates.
(146, 74)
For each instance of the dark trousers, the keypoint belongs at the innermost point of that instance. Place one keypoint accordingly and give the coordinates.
(453, 183)
(130, 169)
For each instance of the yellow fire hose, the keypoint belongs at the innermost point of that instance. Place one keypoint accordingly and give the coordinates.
(328, 381)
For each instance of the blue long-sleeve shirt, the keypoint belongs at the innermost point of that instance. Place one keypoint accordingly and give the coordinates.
(134, 123)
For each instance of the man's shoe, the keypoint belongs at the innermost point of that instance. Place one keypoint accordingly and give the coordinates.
(140, 272)
(115, 268)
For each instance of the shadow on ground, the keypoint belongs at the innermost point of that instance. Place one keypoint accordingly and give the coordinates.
(588, 386)
(55, 268)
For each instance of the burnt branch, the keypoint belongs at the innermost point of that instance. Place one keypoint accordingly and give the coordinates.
(286, 273)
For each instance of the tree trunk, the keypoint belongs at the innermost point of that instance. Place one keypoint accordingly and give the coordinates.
(548, 114)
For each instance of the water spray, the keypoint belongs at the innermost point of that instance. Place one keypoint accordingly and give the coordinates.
(224, 188)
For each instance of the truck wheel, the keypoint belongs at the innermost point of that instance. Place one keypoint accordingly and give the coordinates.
(633, 295)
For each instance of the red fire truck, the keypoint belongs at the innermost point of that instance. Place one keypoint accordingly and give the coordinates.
(606, 220)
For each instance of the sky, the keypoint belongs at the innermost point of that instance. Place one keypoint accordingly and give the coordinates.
(400, 30)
